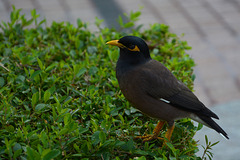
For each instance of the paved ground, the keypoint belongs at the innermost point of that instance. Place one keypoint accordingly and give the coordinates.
(211, 27)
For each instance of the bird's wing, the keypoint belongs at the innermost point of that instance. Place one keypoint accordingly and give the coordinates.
(159, 83)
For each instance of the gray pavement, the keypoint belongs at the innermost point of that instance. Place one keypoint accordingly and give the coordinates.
(211, 27)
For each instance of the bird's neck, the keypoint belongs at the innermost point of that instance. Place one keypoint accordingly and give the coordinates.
(126, 62)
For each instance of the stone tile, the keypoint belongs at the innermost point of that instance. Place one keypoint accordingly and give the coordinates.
(222, 6)
(86, 16)
(147, 16)
(50, 5)
(177, 20)
(82, 4)
(231, 16)
(190, 3)
(203, 54)
(161, 4)
(127, 6)
(236, 27)
(5, 16)
(194, 40)
(2, 7)
(211, 69)
(184, 31)
(200, 92)
(233, 58)
(55, 15)
(218, 80)
(221, 37)
(24, 4)
(164, 7)
(224, 91)
(202, 16)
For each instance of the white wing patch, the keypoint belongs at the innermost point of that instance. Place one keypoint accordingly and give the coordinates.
(164, 100)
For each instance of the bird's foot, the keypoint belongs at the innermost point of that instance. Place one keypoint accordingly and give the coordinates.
(149, 137)
(155, 134)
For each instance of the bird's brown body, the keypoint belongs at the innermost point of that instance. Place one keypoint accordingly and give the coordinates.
(135, 82)
(154, 90)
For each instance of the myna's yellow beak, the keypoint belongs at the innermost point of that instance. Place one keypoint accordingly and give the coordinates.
(115, 43)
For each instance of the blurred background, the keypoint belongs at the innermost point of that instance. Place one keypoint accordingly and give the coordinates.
(211, 28)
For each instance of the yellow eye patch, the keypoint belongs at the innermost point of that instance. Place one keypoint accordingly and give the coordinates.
(134, 49)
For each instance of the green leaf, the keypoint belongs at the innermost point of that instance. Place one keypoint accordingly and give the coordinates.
(63, 131)
(33, 12)
(78, 72)
(120, 21)
(93, 70)
(32, 154)
(2, 81)
(199, 126)
(91, 49)
(49, 68)
(35, 74)
(170, 146)
(52, 154)
(67, 118)
(44, 139)
(35, 98)
(9, 146)
(40, 107)
(82, 130)
(102, 137)
(17, 153)
(128, 25)
(16, 147)
(73, 53)
(95, 138)
(79, 23)
(206, 139)
(128, 146)
(46, 96)
(20, 79)
(141, 152)
(215, 143)
(98, 22)
(68, 100)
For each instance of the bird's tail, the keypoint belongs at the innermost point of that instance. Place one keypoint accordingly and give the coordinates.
(212, 124)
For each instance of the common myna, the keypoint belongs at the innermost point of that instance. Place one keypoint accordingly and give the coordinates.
(150, 87)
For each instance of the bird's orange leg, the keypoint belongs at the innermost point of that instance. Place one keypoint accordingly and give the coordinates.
(156, 131)
(169, 132)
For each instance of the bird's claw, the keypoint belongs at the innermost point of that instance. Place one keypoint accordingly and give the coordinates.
(149, 137)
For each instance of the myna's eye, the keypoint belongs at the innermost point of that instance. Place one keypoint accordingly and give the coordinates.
(131, 46)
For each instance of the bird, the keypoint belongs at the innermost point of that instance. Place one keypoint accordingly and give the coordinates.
(152, 88)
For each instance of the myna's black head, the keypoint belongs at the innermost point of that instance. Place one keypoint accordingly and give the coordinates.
(133, 50)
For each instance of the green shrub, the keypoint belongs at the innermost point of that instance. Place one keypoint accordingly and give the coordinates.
(60, 97)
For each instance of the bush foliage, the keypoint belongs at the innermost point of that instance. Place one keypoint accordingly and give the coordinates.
(60, 98)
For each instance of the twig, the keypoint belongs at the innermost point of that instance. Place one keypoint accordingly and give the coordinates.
(4, 67)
